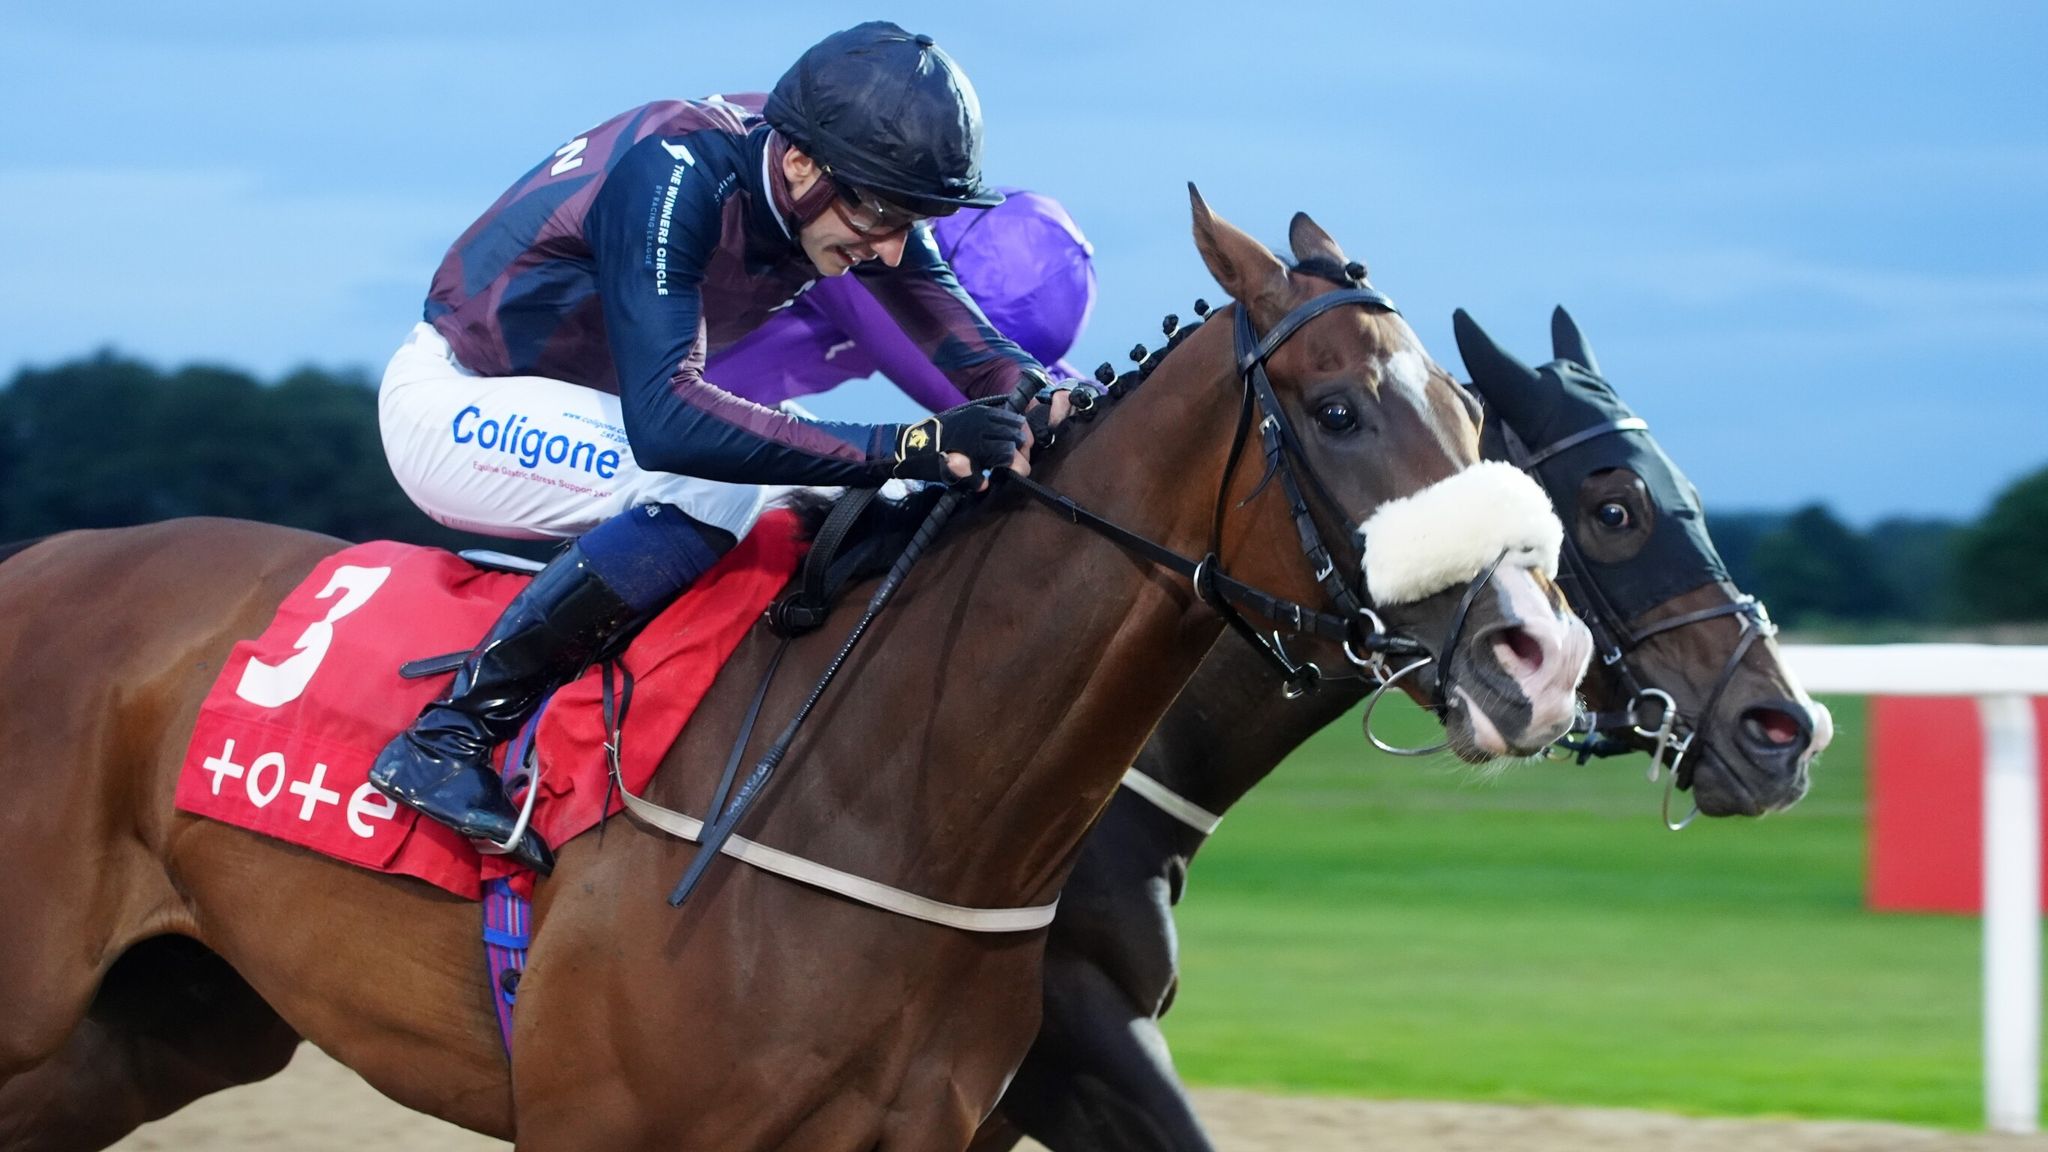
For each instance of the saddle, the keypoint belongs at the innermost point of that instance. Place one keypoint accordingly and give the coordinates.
(857, 536)
(861, 534)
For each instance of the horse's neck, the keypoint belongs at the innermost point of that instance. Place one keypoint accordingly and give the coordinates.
(1231, 726)
(996, 703)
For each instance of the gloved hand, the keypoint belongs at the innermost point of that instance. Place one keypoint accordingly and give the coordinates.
(987, 435)
(1053, 405)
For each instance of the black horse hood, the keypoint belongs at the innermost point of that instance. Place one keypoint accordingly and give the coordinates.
(1563, 400)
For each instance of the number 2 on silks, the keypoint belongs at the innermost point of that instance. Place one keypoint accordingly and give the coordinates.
(275, 685)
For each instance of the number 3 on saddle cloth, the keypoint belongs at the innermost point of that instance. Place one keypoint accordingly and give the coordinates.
(285, 739)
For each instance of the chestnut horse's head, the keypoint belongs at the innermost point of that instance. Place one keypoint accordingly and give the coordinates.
(1379, 449)
(1685, 658)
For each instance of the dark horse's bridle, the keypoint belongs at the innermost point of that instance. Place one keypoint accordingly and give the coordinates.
(1354, 627)
(1666, 731)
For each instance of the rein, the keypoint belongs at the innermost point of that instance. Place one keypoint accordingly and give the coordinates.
(723, 821)
(1224, 591)
(1667, 732)
(1356, 628)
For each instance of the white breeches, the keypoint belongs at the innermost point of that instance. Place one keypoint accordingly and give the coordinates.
(525, 456)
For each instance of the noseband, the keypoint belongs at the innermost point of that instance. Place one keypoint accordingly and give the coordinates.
(1666, 731)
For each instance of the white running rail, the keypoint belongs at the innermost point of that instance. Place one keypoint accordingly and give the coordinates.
(2002, 678)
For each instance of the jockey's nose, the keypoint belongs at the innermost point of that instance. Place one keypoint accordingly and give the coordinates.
(890, 251)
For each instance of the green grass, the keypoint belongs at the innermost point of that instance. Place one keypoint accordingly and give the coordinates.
(1368, 926)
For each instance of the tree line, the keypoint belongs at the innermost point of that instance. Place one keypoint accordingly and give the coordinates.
(107, 440)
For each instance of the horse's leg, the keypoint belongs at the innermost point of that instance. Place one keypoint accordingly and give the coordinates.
(108, 644)
(727, 1026)
(74, 899)
(171, 1023)
(1099, 1076)
(76, 760)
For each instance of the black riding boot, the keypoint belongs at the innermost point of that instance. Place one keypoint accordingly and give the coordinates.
(441, 765)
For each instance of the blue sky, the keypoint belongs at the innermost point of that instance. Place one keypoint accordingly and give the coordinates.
(1807, 240)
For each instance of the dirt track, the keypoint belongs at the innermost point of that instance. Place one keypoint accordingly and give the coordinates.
(319, 1106)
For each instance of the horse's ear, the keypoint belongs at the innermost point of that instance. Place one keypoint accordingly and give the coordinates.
(1310, 242)
(1509, 386)
(1241, 265)
(1567, 343)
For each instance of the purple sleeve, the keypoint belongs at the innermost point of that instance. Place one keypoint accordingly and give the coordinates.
(926, 301)
(797, 352)
(846, 303)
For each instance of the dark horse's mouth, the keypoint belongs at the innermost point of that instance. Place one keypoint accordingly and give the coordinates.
(1722, 788)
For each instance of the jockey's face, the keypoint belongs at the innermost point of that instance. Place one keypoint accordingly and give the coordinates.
(834, 245)
(851, 232)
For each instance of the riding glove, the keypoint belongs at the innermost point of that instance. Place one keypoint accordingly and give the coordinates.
(987, 435)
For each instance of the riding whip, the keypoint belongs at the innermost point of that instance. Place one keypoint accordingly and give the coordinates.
(721, 829)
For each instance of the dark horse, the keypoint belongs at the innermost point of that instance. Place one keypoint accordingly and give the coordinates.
(150, 957)
(1639, 568)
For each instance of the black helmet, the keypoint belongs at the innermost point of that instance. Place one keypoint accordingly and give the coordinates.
(890, 112)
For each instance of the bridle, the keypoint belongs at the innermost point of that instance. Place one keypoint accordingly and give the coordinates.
(1353, 626)
(1665, 732)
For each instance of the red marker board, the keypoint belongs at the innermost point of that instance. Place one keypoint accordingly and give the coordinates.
(1927, 803)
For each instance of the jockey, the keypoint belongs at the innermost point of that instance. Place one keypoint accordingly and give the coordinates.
(557, 388)
(1024, 262)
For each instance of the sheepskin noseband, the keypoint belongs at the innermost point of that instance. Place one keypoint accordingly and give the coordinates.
(1448, 533)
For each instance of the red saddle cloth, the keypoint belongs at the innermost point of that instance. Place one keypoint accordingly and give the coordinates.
(286, 737)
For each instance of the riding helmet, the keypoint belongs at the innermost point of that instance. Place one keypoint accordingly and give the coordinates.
(887, 111)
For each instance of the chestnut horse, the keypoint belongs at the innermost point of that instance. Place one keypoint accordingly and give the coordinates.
(1640, 569)
(151, 956)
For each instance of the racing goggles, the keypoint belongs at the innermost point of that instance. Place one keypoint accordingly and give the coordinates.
(869, 216)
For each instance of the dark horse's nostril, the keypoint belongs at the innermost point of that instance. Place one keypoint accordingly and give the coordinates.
(1527, 653)
(1779, 728)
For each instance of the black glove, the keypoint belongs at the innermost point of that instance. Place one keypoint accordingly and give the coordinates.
(987, 435)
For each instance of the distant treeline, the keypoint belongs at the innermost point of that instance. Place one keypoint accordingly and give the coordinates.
(107, 441)
(1815, 571)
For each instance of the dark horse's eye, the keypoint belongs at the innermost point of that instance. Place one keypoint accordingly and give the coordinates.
(1336, 416)
(1613, 515)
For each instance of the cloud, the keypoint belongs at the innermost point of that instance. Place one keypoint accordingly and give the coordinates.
(1871, 305)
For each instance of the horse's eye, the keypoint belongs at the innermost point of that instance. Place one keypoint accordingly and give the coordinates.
(1337, 416)
(1613, 515)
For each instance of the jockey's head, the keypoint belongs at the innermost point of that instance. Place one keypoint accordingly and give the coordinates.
(882, 130)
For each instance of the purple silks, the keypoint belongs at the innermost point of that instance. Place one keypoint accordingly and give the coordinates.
(1025, 262)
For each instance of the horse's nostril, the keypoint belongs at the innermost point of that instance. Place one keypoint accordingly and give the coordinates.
(1523, 654)
(1772, 726)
